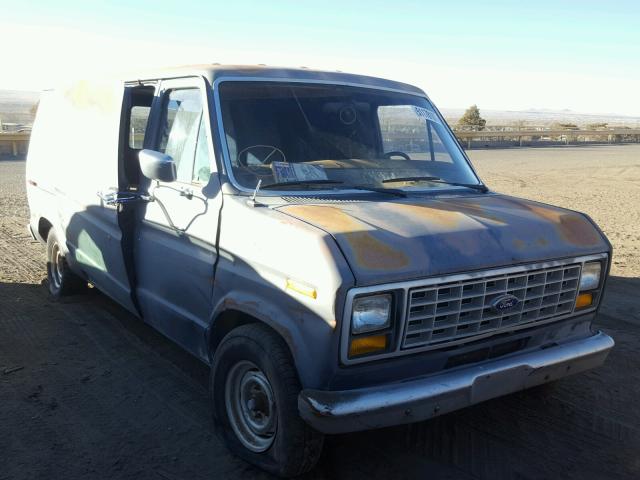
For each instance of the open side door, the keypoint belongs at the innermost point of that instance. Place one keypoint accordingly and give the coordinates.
(136, 110)
(92, 224)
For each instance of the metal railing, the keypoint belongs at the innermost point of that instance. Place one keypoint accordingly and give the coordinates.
(613, 135)
(14, 143)
(17, 143)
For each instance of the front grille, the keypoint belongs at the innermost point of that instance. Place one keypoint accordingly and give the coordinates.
(448, 312)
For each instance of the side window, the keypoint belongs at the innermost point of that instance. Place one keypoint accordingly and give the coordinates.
(182, 117)
(412, 130)
(439, 150)
(138, 125)
(202, 165)
(138, 100)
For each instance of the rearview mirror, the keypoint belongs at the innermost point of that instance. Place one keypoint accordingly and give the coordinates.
(157, 166)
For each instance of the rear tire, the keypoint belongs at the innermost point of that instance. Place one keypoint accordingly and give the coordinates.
(62, 281)
(255, 387)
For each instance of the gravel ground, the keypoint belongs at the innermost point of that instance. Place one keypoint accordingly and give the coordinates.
(87, 391)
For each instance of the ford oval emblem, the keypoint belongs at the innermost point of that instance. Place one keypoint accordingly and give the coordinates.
(504, 303)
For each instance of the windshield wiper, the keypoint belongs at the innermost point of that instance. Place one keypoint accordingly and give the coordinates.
(309, 183)
(480, 188)
(301, 183)
(389, 191)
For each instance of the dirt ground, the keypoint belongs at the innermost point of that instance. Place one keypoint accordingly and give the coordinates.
(88, 391)
(602, 181)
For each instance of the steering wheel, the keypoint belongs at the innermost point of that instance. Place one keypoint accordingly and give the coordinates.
(397, 154)
(263, 156)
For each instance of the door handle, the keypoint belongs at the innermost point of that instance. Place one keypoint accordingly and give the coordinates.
(113, 197)
(109, 197)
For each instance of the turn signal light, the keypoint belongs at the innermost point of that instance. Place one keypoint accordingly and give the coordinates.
(584, 300)
(364, 345)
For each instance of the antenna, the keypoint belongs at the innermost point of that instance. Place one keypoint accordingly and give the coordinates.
(255, 192)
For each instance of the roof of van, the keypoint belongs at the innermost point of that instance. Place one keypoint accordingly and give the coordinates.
(214, 72)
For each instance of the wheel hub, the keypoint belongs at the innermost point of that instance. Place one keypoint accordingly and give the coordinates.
(250, 405)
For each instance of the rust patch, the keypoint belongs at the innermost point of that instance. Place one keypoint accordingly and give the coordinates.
(373, 254)
(473, 209)
(451, 218)
(232, 303)
(369, 251)
(578, 231)
(512, 202)
(572, 227)
(521, 244)
(443, 217)
(542, 242)
(329, 218)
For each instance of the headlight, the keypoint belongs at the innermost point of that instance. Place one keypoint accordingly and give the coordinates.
(590, 277)
(371, 313)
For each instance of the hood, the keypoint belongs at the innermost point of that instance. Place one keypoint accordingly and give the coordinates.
(414, 238)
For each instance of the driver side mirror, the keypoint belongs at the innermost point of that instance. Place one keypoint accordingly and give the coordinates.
(157, 166)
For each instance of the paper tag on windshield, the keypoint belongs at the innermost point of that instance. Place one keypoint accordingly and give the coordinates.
(296, 172)
(426, 114)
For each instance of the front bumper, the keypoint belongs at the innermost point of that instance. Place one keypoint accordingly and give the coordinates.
(426, 397)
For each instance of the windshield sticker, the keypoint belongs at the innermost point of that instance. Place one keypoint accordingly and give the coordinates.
(426, 114)
(295, 172)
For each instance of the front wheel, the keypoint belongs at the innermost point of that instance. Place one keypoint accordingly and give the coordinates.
(255, 391)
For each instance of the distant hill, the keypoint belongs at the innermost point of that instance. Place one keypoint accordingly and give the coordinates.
(543, 117)
(18, 96)
(16, 106)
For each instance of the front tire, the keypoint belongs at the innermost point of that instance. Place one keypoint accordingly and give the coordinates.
(255, 391)
(62, 281)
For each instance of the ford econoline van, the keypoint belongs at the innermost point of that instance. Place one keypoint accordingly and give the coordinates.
(319, 239)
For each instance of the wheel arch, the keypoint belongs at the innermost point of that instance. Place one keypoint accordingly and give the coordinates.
(232, 316)
(225, 322)
(44, 227)
(310, 338)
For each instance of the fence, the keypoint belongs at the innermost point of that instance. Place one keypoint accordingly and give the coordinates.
(16, 144)
(520, 137)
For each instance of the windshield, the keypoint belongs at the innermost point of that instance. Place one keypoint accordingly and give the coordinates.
(321, 136)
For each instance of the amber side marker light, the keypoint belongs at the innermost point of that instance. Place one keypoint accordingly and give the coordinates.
(301, 288)
(584, 300)
(364, 345)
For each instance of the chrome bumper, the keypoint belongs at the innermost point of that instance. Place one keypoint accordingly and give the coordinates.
(426, 397)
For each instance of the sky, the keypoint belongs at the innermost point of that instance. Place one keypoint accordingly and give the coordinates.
(501, 55)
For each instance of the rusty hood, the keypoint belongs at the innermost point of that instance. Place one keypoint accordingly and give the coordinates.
(418, 237)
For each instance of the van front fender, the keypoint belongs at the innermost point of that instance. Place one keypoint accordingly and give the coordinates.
(312, 341)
